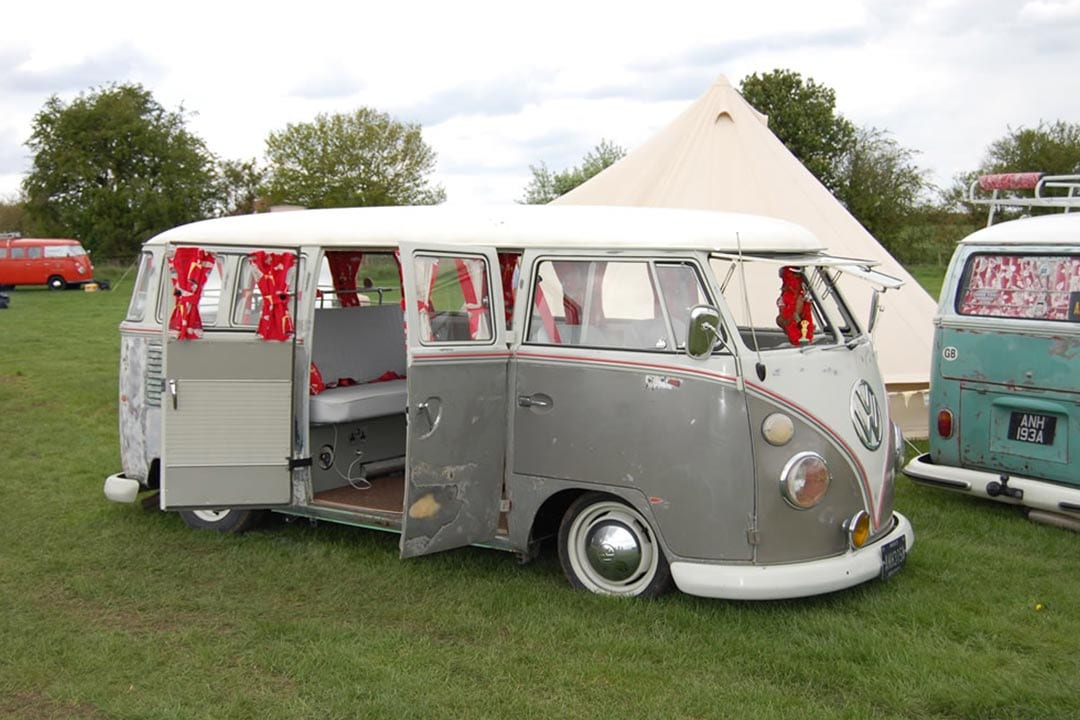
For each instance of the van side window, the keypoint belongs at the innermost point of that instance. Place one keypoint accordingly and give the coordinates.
(1034, 287)
(682, 290)
(597, 303)
(18, 253)
(247, 303)
(454, 297)
(3, 253)
(354, 278)
(137, 307)
(33, 253)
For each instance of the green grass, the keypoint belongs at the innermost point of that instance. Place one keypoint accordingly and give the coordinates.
(112, 611)
(931, 277)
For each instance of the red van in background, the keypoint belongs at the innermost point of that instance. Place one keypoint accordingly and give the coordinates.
(43, 261)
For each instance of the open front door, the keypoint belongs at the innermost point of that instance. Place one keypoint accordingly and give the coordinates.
(227, 396)
(457, 412)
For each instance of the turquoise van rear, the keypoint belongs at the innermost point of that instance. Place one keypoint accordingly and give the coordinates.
(1005, 376)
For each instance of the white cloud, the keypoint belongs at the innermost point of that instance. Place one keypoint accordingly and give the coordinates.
(499, 87)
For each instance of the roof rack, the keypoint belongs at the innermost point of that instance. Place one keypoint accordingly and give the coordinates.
(10, 235)
(1011, 183)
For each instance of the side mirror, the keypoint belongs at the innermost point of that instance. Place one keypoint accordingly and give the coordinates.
(874, 307)
(704, 332)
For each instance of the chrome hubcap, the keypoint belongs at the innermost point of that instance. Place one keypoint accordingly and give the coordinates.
(612, 551)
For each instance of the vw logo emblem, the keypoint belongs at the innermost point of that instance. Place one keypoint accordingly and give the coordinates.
(866, 415)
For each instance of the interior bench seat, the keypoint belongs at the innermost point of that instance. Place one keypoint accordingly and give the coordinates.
(359, 402)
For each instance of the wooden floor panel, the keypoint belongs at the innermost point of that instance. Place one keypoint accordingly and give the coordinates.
(386, 493)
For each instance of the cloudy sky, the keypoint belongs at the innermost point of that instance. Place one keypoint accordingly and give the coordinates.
(499, 86)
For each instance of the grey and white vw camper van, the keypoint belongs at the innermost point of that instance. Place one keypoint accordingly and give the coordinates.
(673, 397)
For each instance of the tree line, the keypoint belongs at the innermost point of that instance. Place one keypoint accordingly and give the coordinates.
(113, 168)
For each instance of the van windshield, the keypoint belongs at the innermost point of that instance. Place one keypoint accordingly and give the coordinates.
(779, 306)
(1021, 286)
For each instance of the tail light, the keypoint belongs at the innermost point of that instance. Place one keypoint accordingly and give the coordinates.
(945, 423)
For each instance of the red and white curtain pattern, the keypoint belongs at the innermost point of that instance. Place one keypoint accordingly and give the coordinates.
(1021, 286)
(272, 277)
(189, 269)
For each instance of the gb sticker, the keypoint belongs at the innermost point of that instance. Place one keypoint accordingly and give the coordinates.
(949, 353)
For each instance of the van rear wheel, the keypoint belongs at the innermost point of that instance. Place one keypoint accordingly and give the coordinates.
(609, 548)
(228, 521)
(57, 283)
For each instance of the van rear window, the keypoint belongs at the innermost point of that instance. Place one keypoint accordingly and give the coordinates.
(1033, 287)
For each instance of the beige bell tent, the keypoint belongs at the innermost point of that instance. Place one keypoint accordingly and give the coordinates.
(719, 154)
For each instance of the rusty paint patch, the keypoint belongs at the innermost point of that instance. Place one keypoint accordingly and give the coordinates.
(425, 507)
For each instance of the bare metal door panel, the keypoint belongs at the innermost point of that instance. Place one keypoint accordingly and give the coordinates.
(455, 451)
(680, 441)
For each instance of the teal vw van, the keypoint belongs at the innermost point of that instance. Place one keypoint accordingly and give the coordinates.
(1005, 376)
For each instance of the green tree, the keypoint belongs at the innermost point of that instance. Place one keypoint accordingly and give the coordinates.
(239, 184)
(881, 185)
(546, 185)
(12, 214)
(113, 168)
(1051, 148)
(803, 115)
(344, 160)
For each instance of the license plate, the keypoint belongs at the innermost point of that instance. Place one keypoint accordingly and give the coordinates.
(893, 557)
(1033, 428)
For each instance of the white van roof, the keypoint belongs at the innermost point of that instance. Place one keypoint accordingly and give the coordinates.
(1057, 229)
(504, 227)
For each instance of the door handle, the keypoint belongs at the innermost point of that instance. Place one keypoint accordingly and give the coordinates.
(540, 401)
(172, 392)
(425, 410)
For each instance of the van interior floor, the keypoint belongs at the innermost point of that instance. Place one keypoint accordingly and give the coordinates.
(387, 493)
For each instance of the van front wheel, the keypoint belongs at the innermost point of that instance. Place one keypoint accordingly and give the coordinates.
(229, 521)
(608, 547)
(57, 283)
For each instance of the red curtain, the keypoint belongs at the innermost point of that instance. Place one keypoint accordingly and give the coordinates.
(190, 268)
(343, 269)
(508, 265)
(273, 280)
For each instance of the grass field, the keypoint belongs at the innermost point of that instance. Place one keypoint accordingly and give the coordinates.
(112, 611)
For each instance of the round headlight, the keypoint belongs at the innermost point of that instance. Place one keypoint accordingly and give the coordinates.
(805, 480)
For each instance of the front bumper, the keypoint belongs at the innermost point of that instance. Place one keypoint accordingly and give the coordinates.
(121, 489)
(1037, 494)
(776, 582)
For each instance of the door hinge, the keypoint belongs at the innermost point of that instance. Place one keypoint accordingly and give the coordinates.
(752, 536)
(299, 463)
